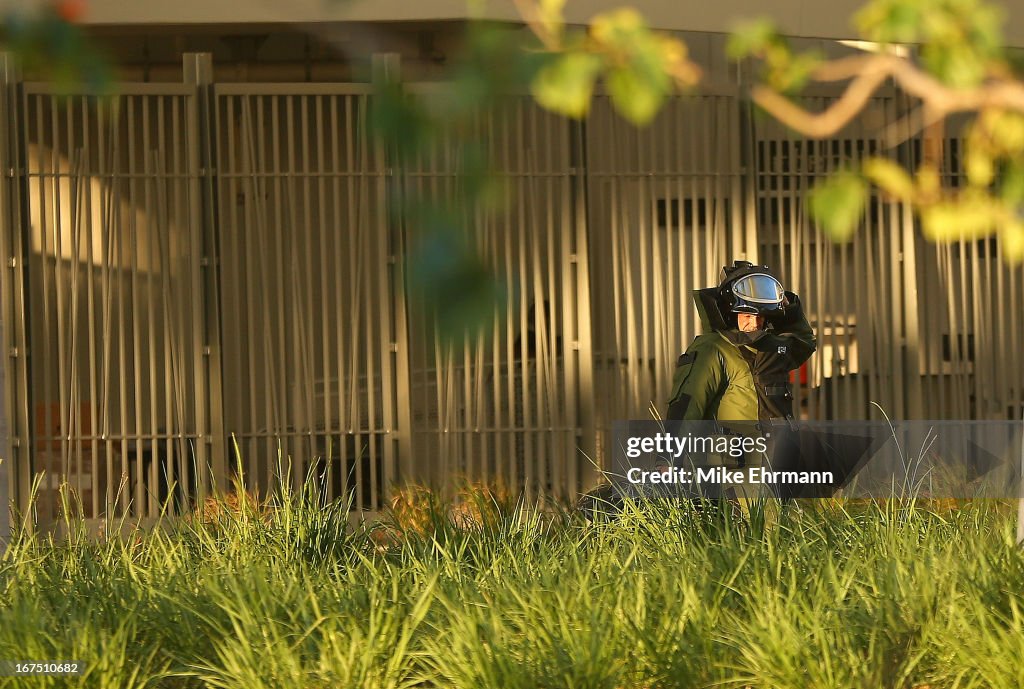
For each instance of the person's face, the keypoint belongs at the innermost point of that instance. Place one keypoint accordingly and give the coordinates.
(749, 322)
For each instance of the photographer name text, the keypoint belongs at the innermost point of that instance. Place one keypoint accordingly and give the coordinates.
(726, 476)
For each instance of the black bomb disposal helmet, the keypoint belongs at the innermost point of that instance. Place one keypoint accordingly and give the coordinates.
(746, 288)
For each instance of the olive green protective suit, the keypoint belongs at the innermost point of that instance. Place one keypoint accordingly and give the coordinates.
(728, 375)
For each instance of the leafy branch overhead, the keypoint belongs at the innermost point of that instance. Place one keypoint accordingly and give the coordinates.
(958, 67)
(50, 44)
(640, 67)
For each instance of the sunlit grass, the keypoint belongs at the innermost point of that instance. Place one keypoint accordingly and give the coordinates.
(487, 591)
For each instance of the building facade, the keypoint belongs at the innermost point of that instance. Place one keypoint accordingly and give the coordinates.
(202, 276)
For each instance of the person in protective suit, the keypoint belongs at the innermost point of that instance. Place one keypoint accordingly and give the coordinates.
(755, 333)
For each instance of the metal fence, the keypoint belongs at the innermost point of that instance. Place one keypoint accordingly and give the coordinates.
(308, 288)
(112, 309)
(201, 278)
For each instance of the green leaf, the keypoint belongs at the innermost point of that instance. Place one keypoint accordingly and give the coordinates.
(751, 38)
(566, 84)
(979, 166)
(970, 216)
(837, 204)
(1011, 243)
(618, 28)
(889, 21)
(956, 64)
(399, 119)
(1011, 186)
(636, 97)
(1007, 130)
(889, 176)
(642, 59)
(456, 285)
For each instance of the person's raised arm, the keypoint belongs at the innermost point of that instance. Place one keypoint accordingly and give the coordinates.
(791, 324)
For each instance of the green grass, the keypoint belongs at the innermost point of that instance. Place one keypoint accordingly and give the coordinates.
(504, 596)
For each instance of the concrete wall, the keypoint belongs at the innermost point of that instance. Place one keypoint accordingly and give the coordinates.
(798, 17)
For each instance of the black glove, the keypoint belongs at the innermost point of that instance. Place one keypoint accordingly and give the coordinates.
(792, 311)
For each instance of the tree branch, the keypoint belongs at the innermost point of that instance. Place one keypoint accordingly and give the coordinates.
(830, 120)
(868, 73)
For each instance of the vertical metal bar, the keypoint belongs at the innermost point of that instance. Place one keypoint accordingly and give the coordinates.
(547, 180)
(147, 213)
(641, 219)
(980, 390)
(747, 180)
(994, 281)
(323, 136)
(911, 324)
(380, 421)
(676, 293)
(579, 341)
(76, 184)
(312, 329)
(12, 313)
(650, 254)
(491, 227)
(292, 366)
(687, 330)
(138, 163)
(118, 263)
(337, 167)
(802, 250)
(252, 161)
(402, 418)
(16, 306)
(388, 342)
(103, 117)
(233, 276)
(209, 429)
(525, 412)
(303, 261)
(852, 155)
(394, 335)
(152, 441)
(1018, 337)
(162, 269)
(820, 247)
(347, 372)
(92, 354)
(362, 230)
(795, 239)
(960, 322)
(249, 235)
(38, 230)
(544, 398)
(184, 464)
(513, 438)
(275, 252)
(273, 261)
(997, 295)
(61, 343)
(863, 290)
(709, 137)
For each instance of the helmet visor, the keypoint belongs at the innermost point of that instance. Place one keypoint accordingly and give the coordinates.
(760, 291)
